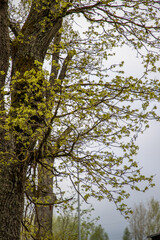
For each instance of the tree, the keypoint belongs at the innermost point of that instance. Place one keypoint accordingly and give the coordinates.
(145, 220)
(99, 234)
(73, 115)
(127, 234)
(137, 222)
(65, 226)
(153, 217)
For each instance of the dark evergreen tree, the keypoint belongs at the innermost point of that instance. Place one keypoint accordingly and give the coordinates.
(127, 234)
(99, 234)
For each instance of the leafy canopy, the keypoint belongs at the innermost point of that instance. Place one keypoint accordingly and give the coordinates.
(84, 108)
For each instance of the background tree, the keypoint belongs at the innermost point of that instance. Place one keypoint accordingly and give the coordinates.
(99, 234)
(153, 217)
(127, 234)
(145, 219)
(77, 113)
(66, 227)
(137, 222)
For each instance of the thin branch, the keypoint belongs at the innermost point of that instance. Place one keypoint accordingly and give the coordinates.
(27, 230)
(84, 8)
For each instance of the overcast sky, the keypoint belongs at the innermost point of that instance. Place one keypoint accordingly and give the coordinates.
(148, 157)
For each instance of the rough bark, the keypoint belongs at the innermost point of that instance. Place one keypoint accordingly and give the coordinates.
(11, 175)
(44, 212)
(4, 63)
(11, 201)
(4, 47)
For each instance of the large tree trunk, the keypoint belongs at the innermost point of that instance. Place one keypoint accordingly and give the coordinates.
(11, 175)
(4, 47)
(44, 212)
(16, 155)
(12, 180)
